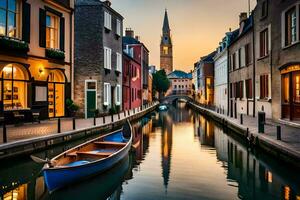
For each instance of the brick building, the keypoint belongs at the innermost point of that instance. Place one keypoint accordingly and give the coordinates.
(132, 84)
(98, 57)
(166, 47)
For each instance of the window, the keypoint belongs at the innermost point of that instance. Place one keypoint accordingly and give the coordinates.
(119, 62)
(264, 86)
(243, 57)
(118, 94)
(107, 20)
(239, 58)
(249, 89)
(107, 94)
(247, 54)
(107, 58)
(264, 9)
(8, 18)
(233, 62)
(285, 88)
(118, 28)
(165, 50)
(132, 94)
(264, 43)
(14, 92)
(52, 31)
(290, 26)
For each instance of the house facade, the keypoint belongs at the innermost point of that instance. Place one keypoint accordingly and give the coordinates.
(220, 74)
(204, 70)
(131, 41)
(181, 83)
(241, 70)
(98, 68)
(132, 84)
(36, 57)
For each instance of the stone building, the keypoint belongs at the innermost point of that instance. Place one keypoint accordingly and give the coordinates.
(36, 58)
(285, 54)
(220, 74)
(181, 83)
(98, 57)
(205, 79)
(131, 41)
(166, 47)
(241, 70)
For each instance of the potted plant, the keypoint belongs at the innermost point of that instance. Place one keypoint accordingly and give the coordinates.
(55, 54)
(72, 107)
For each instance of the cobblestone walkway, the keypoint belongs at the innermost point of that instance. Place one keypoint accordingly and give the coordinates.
(48, 127)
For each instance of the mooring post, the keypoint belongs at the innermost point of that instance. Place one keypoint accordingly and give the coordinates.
(124, 113)
(278, 132)
(94, 121)
(112, 118)
(119, 116)
(58, 125)
(128, 112)
(4, 132)
(103, 119)
(241, 119)
(74, 123)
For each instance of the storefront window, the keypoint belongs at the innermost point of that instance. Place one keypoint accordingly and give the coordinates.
(297, 88)
(14, 87)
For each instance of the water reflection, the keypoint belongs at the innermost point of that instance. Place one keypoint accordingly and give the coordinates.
(176, 154)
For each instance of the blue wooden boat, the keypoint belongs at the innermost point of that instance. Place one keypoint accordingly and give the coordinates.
(90, 158)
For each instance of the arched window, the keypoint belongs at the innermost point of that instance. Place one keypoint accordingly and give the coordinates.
(13, 87)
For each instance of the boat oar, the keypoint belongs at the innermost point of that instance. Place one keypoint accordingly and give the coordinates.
(40, 160)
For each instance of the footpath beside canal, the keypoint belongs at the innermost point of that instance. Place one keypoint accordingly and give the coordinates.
(287, 149)
(28, 138)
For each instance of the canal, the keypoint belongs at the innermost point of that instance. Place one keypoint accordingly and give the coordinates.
(178, 154)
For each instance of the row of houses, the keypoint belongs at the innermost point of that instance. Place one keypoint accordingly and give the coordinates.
(257, 66)
(55, 52)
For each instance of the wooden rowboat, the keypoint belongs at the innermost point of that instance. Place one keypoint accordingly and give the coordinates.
(87, 159)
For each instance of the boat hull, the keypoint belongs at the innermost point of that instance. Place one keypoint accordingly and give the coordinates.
(56, 178)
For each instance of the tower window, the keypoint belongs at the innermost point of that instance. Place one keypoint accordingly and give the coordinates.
(165, 50)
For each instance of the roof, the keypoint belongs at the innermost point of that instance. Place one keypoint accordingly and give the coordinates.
(166, 27)
(209, 57)
(130, 40)
(180, 75)
(237, 34)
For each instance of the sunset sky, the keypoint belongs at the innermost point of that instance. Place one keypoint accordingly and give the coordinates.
(197, 25)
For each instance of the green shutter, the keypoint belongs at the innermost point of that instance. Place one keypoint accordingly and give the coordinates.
(42, 21)
(62, 34)
(26, 22)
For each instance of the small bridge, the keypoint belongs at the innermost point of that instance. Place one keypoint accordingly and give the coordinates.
(173, 97)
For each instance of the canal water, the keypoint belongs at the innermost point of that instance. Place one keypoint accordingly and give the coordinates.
(178, 154)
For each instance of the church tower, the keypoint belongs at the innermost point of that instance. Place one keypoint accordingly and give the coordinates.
(166, 47)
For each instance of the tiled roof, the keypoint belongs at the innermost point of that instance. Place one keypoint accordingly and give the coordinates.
(180, 74)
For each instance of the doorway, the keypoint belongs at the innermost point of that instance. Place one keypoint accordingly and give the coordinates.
(56, 94)
(90, 98)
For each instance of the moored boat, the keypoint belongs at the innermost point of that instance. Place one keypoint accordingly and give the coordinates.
(163, 107)
(87, 159)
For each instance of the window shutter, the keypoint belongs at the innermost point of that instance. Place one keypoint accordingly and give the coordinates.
(62, 34)
(42, 21)
(26, 22)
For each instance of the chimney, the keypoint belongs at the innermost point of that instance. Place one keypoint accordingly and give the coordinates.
(137, 38)
(108, 3)
(129, 33)
(243, 17)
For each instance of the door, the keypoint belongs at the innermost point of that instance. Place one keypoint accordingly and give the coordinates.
(56, 94)
(91, 98)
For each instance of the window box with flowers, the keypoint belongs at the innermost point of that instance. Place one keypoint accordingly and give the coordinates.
(12, 44)
(55, 54)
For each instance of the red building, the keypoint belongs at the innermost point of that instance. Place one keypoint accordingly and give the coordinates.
(132, 84)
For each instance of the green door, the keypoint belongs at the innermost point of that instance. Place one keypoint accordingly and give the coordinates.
(91, 103)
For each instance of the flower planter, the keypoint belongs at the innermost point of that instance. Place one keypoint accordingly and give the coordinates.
(15, 45)
(55, 54)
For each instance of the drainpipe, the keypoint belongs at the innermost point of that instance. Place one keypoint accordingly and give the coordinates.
(71, 55)
(228, 83)
(254, 71)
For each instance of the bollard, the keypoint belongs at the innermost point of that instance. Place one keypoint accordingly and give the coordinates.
(119, 116)
(94, 121)
(124, 113)
(278, 132)
(134, 111)
(141, 107)
(112, 118)
(4, 133)
(261, 122)
(241, 119)
(104, 120)
(74, 124)
(128, 112)
(58, 126)
(247, 133)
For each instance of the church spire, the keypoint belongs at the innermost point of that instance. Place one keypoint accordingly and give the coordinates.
(166, 27)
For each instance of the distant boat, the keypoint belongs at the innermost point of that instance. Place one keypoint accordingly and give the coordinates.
(90, 158)
(163, 107)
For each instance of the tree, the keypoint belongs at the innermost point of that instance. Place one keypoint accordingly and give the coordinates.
(161, 82)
